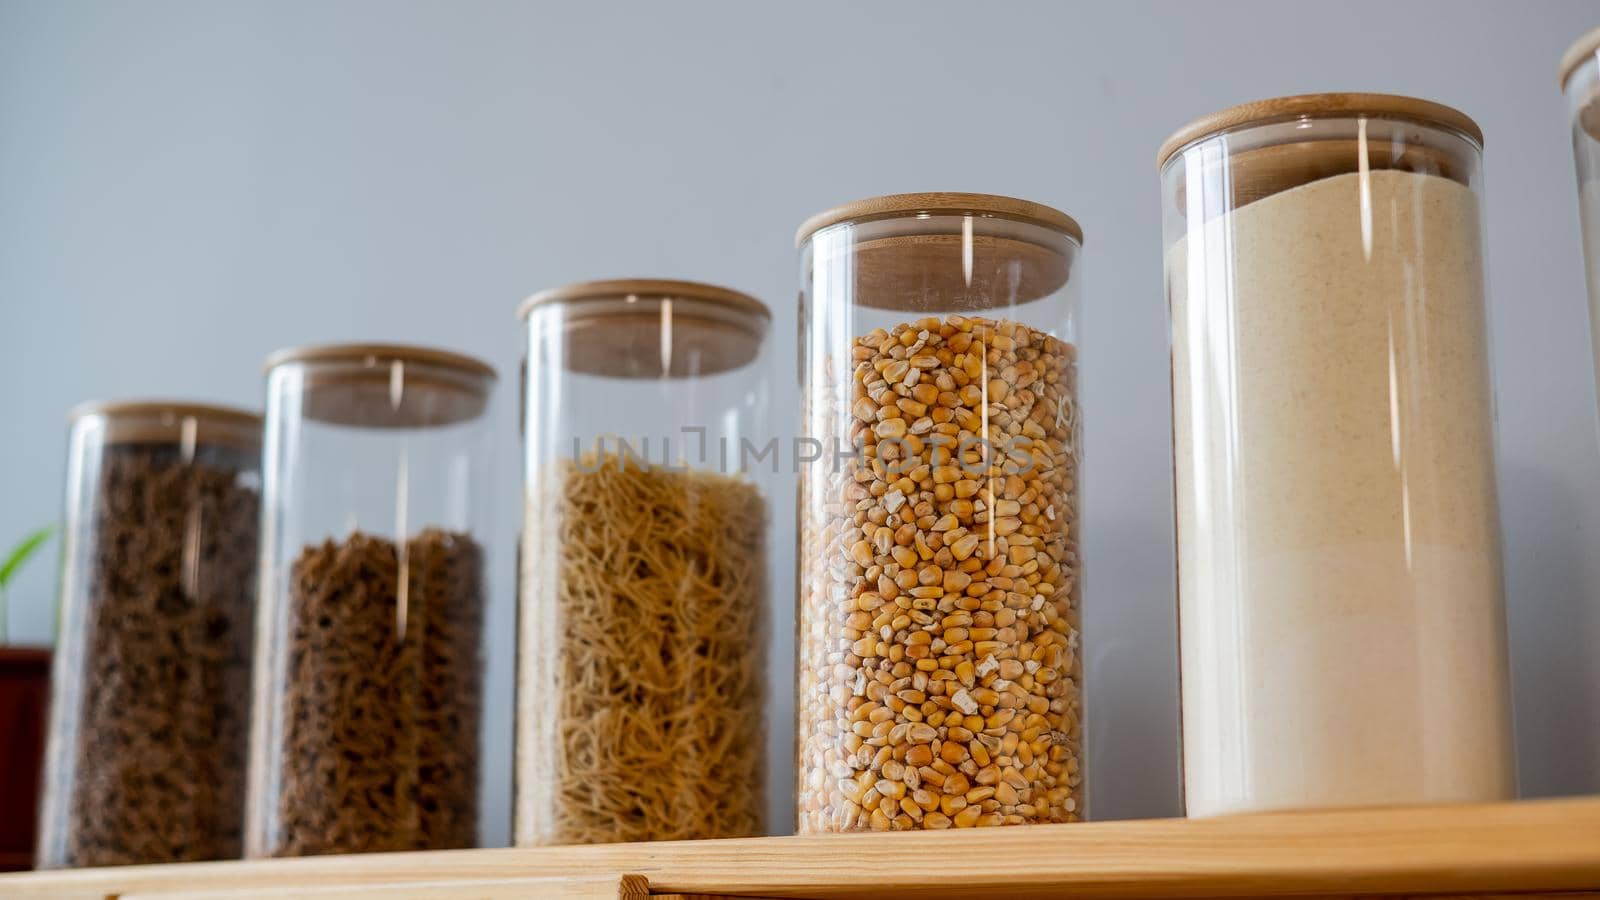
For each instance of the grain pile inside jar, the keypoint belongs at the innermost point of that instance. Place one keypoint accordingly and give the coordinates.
(156, 768)
(640, 712)
(946, 619)
(1351, 576)
(382, 696)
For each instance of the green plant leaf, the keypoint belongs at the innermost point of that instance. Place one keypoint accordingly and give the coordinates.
(21, 552)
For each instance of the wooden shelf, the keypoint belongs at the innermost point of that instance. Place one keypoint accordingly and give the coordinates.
(1537, 846)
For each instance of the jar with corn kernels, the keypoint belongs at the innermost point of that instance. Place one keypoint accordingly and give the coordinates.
(940, 682)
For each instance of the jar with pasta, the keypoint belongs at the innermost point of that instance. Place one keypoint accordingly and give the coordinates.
(642, 638)
(369, 685)
(149, 715)
(940, 682)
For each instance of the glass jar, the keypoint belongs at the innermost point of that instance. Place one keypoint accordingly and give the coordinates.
(369, 686)
(1342, 632)
(147, 731)
(642, 635)
(940, 678)
(1580, 78)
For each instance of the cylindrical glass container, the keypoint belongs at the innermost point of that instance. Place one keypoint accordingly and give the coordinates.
(148, 721)
(369, 685)
(940, 678)
(642, 637)
(1342, 623)
(1580, 78)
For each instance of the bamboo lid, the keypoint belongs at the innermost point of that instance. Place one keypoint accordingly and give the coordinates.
(1344, 105)
(935, 265)
(388, 385)
(1583, 50)
(652, 328)
(1264, 171)
(373, 353)
(940, 203)
(619, 288)
(173, 422)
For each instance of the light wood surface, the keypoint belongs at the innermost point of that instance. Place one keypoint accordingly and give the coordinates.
(706, 897)
(1541, 895)
(1534, 846)
(602, 887)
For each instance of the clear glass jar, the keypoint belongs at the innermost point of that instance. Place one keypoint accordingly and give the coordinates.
(1341, 606)
(148, 725)
(1580, 78)
(642, 618)
(940, 677)
(369, 681)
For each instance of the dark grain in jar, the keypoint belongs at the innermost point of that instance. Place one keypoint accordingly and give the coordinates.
(381, 697)
(156, 770)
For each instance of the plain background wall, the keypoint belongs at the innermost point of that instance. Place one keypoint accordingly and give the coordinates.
(185, 186)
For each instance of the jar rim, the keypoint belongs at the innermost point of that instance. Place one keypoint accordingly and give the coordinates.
(151, 421)
(406, 353)
(1581, 51)
(941, 203)
(149, 407)
(645, 287)
(1318, 106)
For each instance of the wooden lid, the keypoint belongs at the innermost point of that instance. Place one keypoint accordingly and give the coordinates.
(1579, 53)
(622, 288)
(373, 354)
(938, 203)
(654, 328)
(921, 260)
(388, 385)
(174, 422)
(928, 273)
(1263, 171)
(1261, 112)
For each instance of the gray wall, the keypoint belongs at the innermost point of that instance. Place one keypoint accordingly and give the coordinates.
(185, 186)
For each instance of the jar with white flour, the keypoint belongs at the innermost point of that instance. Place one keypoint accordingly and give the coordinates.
(1341, 604)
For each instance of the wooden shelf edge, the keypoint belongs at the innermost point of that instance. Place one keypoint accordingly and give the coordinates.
(1543, 845)
(596, 887)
